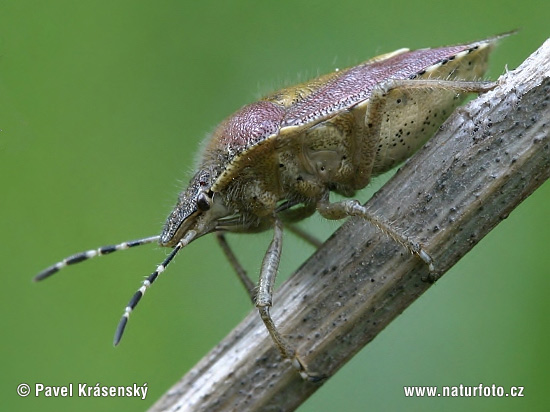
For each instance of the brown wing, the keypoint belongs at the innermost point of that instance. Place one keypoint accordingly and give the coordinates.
(354, 85)
(250, 135)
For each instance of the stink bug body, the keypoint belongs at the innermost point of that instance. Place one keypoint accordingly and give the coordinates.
(275, 161)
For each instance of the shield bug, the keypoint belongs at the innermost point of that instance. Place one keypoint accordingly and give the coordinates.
(275, 162)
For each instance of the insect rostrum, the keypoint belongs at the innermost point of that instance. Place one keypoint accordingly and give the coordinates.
(274, 162)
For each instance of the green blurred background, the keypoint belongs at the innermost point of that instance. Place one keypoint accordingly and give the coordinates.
(103, 105)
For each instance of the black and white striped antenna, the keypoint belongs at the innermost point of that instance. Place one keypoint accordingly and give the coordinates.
(105, 250)
(82, 256)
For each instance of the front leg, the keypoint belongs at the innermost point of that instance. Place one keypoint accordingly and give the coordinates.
(264, 299)
(346, 208)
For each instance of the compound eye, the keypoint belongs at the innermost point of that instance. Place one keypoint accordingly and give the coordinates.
(203, 202)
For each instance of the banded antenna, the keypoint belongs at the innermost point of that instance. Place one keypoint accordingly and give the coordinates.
(82, 256)
(105, 250)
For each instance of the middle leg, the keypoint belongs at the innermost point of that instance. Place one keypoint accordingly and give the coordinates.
(346, 208)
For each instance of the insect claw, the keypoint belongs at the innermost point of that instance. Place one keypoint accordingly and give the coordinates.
(305, 375)
(431, 277)
(427, 259)
(314, 378)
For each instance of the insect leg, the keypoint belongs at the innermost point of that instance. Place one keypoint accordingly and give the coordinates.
(302, 234)
(147, 283)
(264, 299)
(345, 208)
(397, 122)
(457, 86)
(82, 256)
(241, 273)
